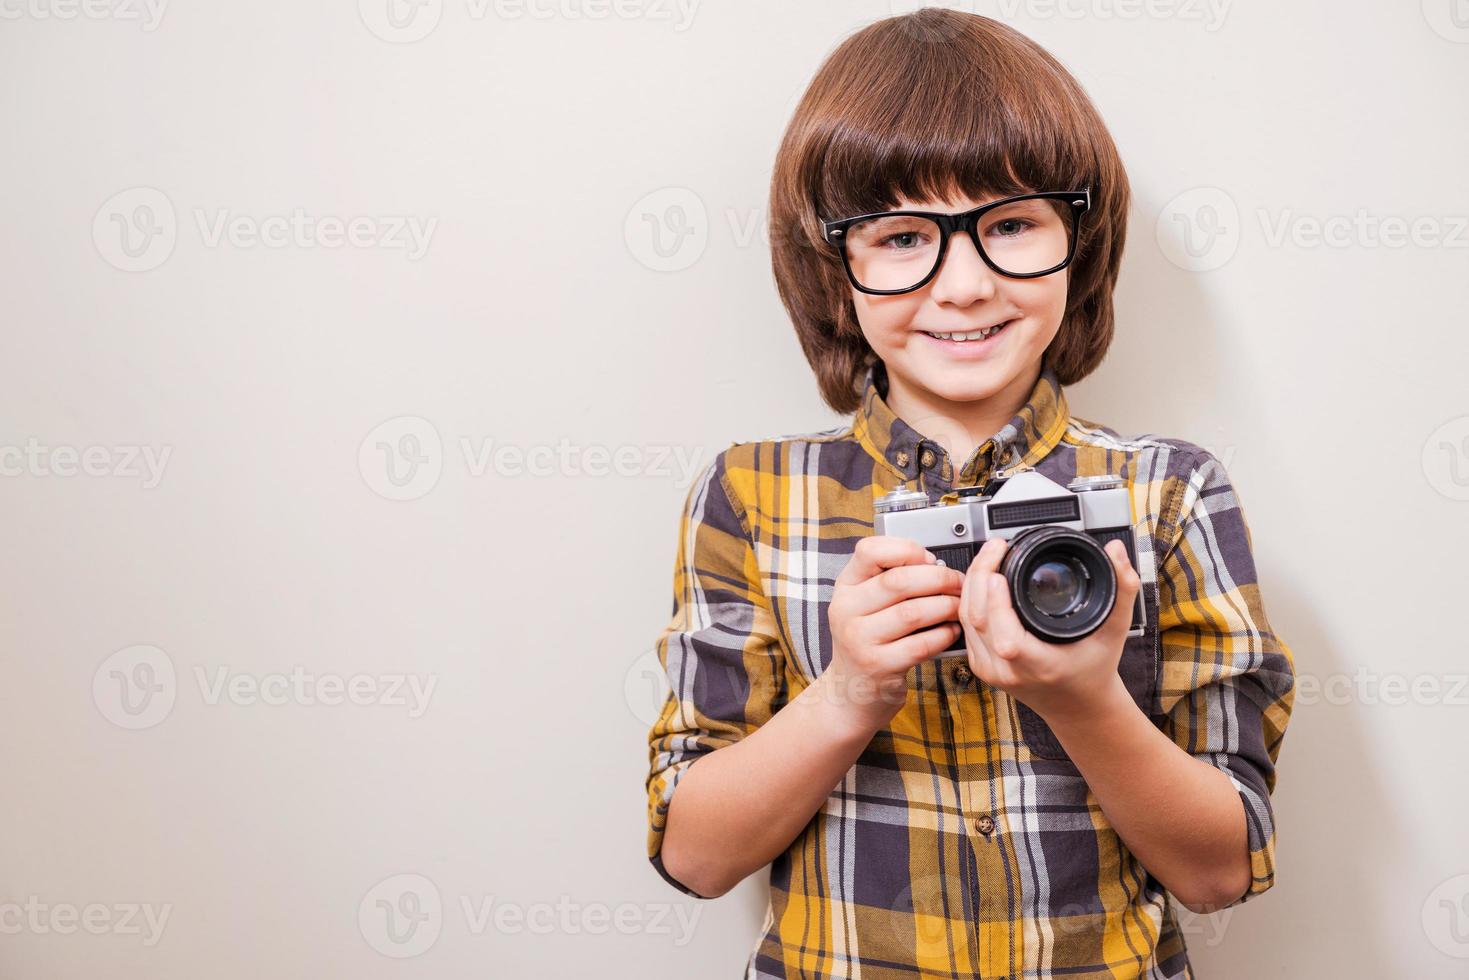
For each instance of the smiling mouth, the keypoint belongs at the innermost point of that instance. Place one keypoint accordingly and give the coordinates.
(969, 336)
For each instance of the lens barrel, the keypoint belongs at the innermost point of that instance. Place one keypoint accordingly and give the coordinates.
(1061, 582)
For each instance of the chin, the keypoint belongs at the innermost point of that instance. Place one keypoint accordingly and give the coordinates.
(970, 383)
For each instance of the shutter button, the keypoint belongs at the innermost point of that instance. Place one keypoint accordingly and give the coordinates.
(985, 824)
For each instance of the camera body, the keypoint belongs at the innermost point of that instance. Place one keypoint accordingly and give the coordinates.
(1062, 585)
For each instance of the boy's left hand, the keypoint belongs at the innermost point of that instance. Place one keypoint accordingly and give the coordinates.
(1049, 678)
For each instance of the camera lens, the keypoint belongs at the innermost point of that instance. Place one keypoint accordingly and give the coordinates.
(1061, 581)
(1058, 586)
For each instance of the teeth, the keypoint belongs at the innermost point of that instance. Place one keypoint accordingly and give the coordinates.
(970, 335)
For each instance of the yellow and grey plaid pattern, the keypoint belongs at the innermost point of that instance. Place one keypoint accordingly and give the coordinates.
(963, 842)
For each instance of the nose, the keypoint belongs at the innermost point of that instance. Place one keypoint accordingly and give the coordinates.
(963, 279)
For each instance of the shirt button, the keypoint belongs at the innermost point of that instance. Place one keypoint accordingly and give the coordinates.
(962, 675)
(985, 824)
(927, 458)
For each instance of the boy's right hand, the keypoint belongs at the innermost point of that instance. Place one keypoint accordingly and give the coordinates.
(893, 607)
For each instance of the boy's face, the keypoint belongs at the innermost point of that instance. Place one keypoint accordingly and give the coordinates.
(964, 296)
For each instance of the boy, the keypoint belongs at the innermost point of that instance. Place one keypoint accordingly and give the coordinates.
(1018, 808)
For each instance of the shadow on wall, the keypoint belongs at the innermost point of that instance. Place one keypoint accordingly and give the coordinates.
(1173, 358)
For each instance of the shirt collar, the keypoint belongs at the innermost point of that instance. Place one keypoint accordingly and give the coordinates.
(1027, 438)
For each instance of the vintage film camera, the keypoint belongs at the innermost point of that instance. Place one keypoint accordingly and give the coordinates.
(1061, 581)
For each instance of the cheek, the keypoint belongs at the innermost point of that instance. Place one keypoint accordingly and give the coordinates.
(1044, 301)
(884, 319)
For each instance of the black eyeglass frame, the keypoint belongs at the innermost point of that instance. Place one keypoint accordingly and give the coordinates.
(1080, 201)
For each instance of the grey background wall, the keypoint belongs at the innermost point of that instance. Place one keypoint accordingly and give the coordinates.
(357, 358)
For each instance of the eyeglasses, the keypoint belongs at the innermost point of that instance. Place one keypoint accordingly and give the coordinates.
(1022, 237)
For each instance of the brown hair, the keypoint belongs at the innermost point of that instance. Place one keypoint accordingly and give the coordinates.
(924, 104)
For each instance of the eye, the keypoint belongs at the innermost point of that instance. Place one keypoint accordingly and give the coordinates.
(1011, 227)
(902, 240)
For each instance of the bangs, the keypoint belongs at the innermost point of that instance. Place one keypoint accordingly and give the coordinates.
(931, 121)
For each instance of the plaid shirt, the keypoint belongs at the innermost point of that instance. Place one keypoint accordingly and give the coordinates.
(963, 841)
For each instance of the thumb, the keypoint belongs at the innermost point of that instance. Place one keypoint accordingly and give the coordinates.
(1128, 584)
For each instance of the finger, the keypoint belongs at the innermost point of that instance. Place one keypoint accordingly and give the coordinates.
(987, 558)
(1006, 634)
(893, 585)
(972, 615)
(1128, 584)
(974, 600)
(980, 659)
(905, 617)
(922, 645)
(880, 551)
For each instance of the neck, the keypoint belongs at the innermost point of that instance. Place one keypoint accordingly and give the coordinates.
(959, 426)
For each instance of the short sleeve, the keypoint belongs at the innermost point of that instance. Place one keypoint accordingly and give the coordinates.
(1227, 680)
(721, 651)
